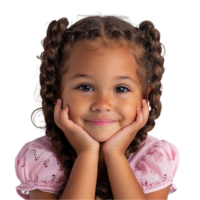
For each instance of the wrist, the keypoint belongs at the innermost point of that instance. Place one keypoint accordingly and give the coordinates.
(89, 152)
(110, 155)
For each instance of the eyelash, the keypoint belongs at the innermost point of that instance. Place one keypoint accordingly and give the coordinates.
(90, 86)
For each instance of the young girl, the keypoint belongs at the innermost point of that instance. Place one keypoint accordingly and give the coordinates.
(96, 146)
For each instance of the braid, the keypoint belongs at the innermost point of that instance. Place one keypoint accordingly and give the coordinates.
(49, 77)
(58, 44)
(153, 63)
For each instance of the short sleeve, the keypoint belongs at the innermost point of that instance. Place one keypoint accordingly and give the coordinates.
(157, 166)
(38, 168)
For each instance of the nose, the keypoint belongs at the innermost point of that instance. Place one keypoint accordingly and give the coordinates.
(102, 102)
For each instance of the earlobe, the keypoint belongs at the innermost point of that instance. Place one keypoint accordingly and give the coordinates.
(146, 95)
(149, 90)
(57, 96)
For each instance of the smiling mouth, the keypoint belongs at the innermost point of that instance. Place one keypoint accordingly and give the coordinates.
(100, 123)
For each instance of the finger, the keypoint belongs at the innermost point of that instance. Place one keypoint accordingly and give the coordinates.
(141, 112)
(139, 117)
(145, 109)
(144, 103)
(64, 117)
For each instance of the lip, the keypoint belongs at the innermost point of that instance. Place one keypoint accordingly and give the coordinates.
(101, 123)
(101, 120)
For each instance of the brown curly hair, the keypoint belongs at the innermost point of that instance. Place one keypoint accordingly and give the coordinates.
(58, 44)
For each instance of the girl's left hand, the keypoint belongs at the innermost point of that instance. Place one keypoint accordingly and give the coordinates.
(120, 141)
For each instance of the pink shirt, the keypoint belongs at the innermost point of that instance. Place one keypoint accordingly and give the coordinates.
(36, 165)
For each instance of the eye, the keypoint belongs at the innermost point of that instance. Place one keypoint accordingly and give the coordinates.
(90, 86)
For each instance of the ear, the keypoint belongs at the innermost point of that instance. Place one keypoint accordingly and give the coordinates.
(57, 95)
(147, 95)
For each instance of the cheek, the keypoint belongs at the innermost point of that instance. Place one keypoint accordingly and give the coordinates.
(77, 112)
(128, 114)
(128, 109)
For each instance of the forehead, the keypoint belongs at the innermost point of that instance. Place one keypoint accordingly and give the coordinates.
(104, 59)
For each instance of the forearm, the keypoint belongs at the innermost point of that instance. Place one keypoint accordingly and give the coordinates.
(122, 179)
(83, 177)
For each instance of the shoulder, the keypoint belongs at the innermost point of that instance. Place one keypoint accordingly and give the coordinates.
(150, 146)
(37, 167)
(36, 150)
(155, 164)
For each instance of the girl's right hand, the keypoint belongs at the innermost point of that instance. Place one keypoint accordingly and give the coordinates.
(75, 134)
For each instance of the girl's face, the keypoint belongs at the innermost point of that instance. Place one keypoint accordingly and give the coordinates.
(101, 93)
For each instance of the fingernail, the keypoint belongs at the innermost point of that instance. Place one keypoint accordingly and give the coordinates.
(145, 100)
(58, 100)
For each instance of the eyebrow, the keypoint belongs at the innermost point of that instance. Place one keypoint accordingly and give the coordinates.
(91, 77)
